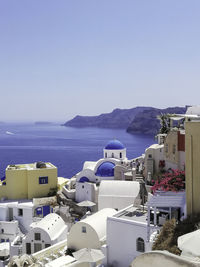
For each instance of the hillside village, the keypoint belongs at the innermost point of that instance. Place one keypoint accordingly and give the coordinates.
(114, 211)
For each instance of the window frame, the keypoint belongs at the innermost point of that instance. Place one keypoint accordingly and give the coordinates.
(37, 236)
(140, 245)
(84, 230)
(43, 179)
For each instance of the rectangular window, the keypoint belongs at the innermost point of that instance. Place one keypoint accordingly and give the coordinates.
(43, 180)
(83, 229)
(174, 149)
(37, 236)
(20, 212)
(37, 247)
(28, 248)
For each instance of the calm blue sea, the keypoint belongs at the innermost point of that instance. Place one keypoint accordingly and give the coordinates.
(65, 147)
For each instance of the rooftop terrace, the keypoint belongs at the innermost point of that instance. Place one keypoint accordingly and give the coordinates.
(30, 166)
(133, 214)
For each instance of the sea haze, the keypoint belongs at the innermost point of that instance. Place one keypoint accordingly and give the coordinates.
(65, 147)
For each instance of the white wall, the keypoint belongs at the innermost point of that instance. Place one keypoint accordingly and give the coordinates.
(27, 218)
(157, 153)
(4, 216)
(85, 191)
(115, 153)
(77, 239)
(8, 230)
(121, 241)
(117, 194)
(170, 165)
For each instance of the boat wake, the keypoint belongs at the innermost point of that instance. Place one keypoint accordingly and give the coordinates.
(10, 133)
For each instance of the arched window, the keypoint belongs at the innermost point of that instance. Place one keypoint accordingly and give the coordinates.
(112, 155)
(140, 245)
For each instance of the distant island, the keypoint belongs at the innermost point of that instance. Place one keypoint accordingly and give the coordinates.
(135, 120)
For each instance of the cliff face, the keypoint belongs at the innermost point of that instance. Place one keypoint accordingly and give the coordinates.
(118, 118)
(146, 122)
(136, 120)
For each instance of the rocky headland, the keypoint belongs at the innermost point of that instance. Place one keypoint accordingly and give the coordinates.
(135, 120)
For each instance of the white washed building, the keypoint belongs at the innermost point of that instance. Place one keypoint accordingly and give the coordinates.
(50, 230)
(90, 232)
(114, 154)
(127, 236)
(24, 211)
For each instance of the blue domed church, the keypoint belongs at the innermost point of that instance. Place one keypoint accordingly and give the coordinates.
(93, 173)
(115, 149)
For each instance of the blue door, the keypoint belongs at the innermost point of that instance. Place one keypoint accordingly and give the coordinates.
(46, 210)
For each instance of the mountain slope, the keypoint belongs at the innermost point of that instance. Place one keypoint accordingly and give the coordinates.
(146, 122)
(118, 118)
(135, 120)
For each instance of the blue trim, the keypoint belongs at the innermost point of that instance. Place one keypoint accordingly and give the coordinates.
(83, 179)
(39, 210)
(46, 210)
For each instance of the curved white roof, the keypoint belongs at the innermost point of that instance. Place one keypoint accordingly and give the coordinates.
(98, 221)
(190, 243)
(53, 224)
(119, 188)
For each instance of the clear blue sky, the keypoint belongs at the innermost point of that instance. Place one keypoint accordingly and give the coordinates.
(67, 57)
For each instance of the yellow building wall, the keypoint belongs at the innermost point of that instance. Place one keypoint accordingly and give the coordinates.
(192, 166)
(3, 191)
(24, 183)
(41, 190)
(16, 184)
